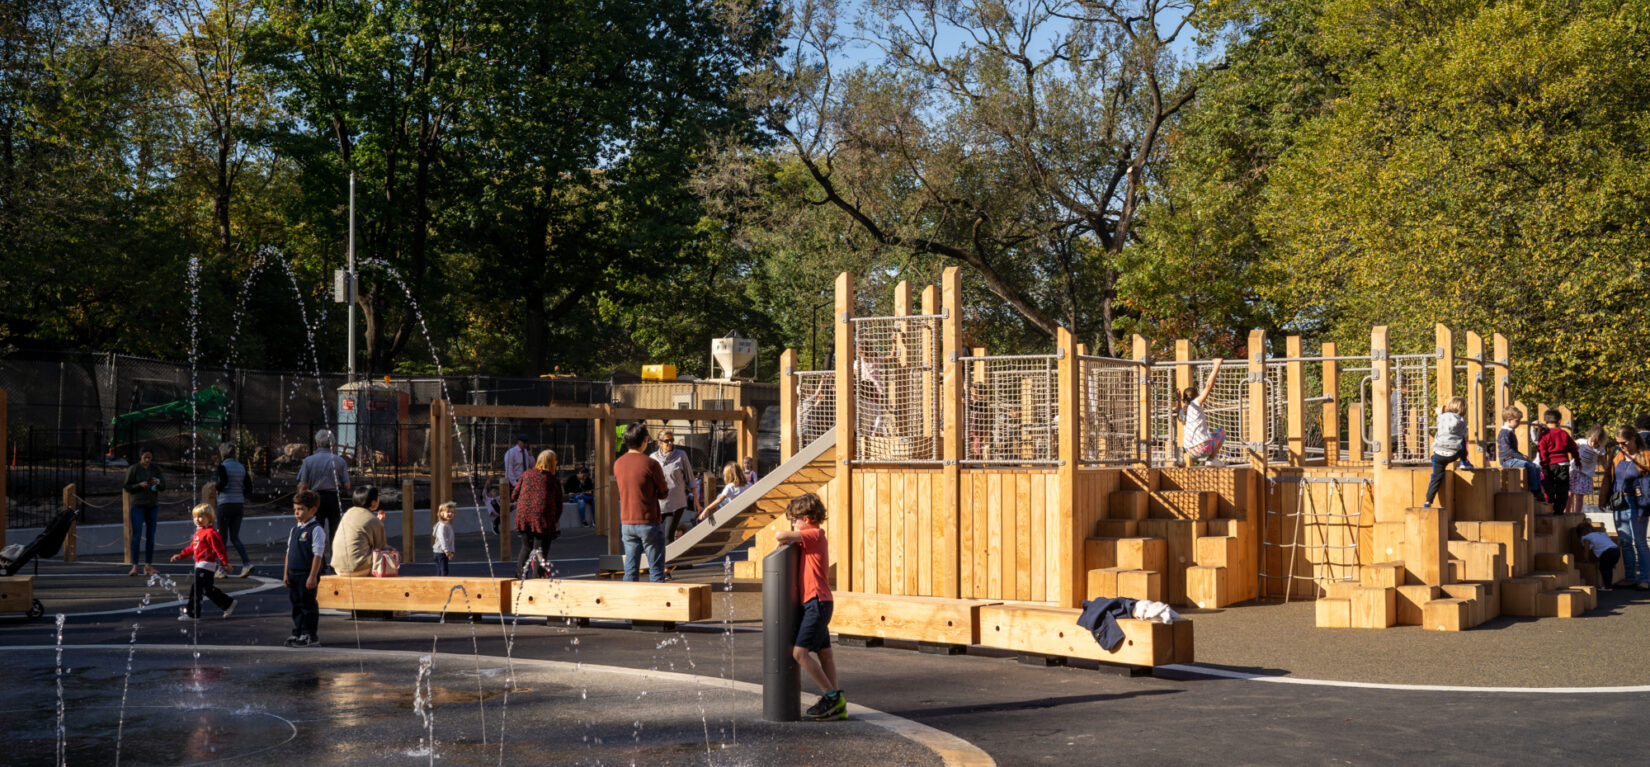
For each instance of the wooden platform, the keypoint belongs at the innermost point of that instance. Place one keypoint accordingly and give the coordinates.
(480, 596)
(1054, 631)
(918, 619)
(616, 600)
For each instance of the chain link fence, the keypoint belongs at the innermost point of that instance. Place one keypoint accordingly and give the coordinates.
(1112, 392)
(816, 408)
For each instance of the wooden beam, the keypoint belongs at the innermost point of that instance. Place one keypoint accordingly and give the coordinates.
(839, 528)
(480, 596)
(1143, 405)
(71, 542)
(1259, 419)
(1330, 422)
(1475, 396)
(1445, 339)
(1295, 401)
(613, 600)
(1355, 433)
(1069, 581)
(1184, 378)
(441, 445)
(947, 529)
(606, 496)
(1380, 397)
(787, 405)
(1503, 384)
(591, 412)
(408, 536)
(931, 355)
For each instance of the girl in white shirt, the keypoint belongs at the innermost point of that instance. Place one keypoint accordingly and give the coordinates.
(441, 536)
(1196, 441)
(734, 484)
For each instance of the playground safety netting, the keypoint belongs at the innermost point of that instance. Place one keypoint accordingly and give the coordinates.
(1164, 404)
(1413, 404)
(1111, 395)
(816, 404)
(896, 388)
(1011, 409)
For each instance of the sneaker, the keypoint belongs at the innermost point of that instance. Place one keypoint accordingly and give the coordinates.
(824, 704)
(309, 640)
(840, 710)
(246, 571)
(230, 608)
(291, 641)
(1427, 505)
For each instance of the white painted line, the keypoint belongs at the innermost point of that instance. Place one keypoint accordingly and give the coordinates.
(952, 750)
(1244, 675)
(266, 584)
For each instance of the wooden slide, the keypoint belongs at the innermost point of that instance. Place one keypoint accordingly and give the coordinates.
(727, 528)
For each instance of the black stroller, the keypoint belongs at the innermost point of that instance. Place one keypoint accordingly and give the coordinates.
(47, 544)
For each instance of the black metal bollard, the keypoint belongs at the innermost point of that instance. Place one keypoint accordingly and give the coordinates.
(781, 617)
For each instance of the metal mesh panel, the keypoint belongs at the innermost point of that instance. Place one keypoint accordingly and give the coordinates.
(1011, 409)
(816, 408)
(1277, 412)
(1164, 449)
(896, 387)
(1412, 404)
(1110, 400)
(1228, 408)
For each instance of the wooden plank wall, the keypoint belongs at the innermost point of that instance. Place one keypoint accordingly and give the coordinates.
(892, 529)
(1009, 534)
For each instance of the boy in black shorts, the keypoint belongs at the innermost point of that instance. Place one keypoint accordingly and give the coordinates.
(806, 512)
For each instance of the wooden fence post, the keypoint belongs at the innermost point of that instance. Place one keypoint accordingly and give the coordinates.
(839, 530)
(1503, 382)
(1143, 406)
(948, 580)
(1259, 418)
(1446, 364)
(1330, 422)
(1295, 401)
(1475, 395)
(408, 536)
(787, 406)
(71, 543)
(1185, 377)
(1070, 580)
(126, 526)
(1380, 397)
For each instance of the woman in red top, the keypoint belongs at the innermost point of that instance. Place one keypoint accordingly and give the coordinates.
(207, 550)
(536, 501)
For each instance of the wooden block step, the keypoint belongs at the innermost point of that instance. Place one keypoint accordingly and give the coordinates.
(1543, 525)
(1181, 536)
(1183, 504)
(1099, 553)
(1208, 587)
(1127, 504)
(1142, 554)
(1473, 494)
(1224, 528)
(1589, 595)
(1492, 599)
(1121, 582)
(1374, 608)
(615, 600)
(1334, 613)
(1560, 604)
(457, 596)
(1472, 592)
(917, 619)
(1480, 561)
(16, 593)
(1411, 600)
(1426, 557)
(1554, 562)
(1518, 596)
(1054, 631)
(1447, 615)
(1218, 551)
(1386, 575)
(1559, 579)
(1340, 589)
(1388, 541)
(1514, 549)
(1116, 528)
(1463, 530)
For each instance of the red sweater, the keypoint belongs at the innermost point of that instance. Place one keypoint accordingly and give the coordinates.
(206, 546)
(642, 486)
(1556, 446)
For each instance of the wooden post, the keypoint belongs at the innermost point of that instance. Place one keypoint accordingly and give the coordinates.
(606, 493)
(947, 529)
(71, 543)
(899, 387)
(408, 535)
(1184, 378)
(1295, 401)
(1380, 398)
(747, 438)
(1446, 366)
(1330, 422)
(1503, 384)
(1567, 419)
(1475, 394)
(1143, 404)
(787, 406)
(839, 530)
(1070, 579)
(929, 403)
(1524, 428)
(441, 444)
(1259, 419)
(1355, 433)
(505, 524)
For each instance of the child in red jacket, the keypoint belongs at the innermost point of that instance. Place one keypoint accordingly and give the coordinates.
(207, 549)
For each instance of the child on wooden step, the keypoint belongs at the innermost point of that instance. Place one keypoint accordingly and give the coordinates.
(442, 538)
(1450, 444)
(1198, 443)
(1558, 453)
(1581, 474)
(1603, 549)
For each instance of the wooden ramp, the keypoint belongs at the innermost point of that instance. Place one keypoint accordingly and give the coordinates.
(729, 527)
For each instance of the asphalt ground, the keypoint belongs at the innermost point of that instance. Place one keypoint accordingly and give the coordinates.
(1021, 714)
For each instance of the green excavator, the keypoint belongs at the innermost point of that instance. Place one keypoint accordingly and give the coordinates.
(171, 420)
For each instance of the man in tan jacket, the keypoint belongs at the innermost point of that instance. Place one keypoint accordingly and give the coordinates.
(359, 532)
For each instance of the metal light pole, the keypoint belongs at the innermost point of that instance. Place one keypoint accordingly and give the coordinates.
(350, 277)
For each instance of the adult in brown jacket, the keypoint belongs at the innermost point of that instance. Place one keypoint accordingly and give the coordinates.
(536, 501)
(642, 486)
(359, 533)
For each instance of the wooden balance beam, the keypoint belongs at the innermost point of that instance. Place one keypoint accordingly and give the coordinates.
(1054, 631)
(925, 620)
(640, 601)
(480, 596)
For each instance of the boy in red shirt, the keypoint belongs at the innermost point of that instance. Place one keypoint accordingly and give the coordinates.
(207, 549)
(806, 512)
(1556, 449)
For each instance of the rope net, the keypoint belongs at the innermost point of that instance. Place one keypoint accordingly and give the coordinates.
(896, 388)
(1228, 408)
(816, 408)
(1164, 448)
(1011, 409)
(1111, 394)
(1412, 409)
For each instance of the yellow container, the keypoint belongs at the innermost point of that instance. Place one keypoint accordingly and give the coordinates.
(658, 372)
